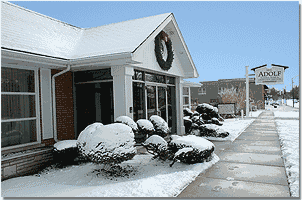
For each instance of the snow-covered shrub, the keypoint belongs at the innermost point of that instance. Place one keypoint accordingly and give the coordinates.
(195, 113)
(190, 149)
(197, 120)
(145, 129)
(160, 125)
(107, 144)
(211, 111)
(212, 130)
(187, 124)
(187, 112)
(65, 151)
(216, 121)
(128, 121)
(157, 146)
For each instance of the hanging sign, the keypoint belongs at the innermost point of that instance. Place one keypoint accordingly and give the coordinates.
(269, 76)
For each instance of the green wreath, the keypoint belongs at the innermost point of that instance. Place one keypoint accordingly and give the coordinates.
(165, 65)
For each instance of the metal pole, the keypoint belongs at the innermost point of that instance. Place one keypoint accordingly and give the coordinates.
(247, 101)
(293, 92)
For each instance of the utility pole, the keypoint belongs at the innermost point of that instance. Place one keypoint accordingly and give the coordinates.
(247, 101)
(293, 90)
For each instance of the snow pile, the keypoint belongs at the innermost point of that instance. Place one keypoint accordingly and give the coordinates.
(149, 178)
(160, 125)
(288, 131)
(113, 143)
(128, 121)
(65, 144)
(280, 114)
(233, 126)
(255, 113)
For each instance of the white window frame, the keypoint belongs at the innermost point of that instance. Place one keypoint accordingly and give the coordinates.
(220, 89)
(188, 96)
(37, 104)
(202, 91)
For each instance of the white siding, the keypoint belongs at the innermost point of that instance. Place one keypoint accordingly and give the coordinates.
(46, 104)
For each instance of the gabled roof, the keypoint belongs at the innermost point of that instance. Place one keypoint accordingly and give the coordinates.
(28, 31)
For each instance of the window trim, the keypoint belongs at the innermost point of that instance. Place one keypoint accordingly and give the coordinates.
(203, 91)
(37, 104)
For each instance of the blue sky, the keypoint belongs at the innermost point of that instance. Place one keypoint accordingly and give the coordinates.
(222, 37)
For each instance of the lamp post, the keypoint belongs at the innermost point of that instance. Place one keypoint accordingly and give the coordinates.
(293, 90)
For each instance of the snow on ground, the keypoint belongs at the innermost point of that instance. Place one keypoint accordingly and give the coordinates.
(255, 113)
(281, 114)
(288, 131)
(145, 178)
(289, 102)
(234, 126)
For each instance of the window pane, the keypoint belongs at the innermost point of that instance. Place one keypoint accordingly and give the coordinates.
(186, 101)
(92, 75)
(150, 77)
(22, 132)
(17, 106)
(17, 80)
(185, 91)
(170, 80)
(138, 75)
(138, 101)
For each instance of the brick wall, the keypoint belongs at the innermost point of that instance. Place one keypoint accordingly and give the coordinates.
(64, 106)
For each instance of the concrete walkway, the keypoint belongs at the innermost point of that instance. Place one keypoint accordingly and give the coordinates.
(251, 166)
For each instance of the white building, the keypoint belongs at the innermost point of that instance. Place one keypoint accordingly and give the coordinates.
(58, 78)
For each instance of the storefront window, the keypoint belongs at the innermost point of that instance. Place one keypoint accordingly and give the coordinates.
(154, 95)
(18, 106)
(138, 101)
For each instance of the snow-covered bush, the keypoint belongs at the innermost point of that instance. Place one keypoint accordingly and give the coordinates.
(195, 113)
(211, 111)
(190, 149)
(216, 121)
(107, 144)
(197, 120)
(160, 125)
(145, 128)
(187, 124)
(212, 130)
(157, 146)
(65, 151)
(187, 112)
(128, 121)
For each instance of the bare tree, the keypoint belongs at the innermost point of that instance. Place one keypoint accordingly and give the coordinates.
(237, 96)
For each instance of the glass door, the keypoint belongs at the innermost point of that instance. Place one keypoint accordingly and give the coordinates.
(162, 102)
(151, 100)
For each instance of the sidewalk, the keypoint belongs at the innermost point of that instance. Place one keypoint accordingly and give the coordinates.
(251, 166)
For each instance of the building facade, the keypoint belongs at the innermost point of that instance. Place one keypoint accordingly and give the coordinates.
(211, 92)
(58, 78)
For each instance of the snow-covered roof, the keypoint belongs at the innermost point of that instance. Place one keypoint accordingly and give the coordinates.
(28, 31)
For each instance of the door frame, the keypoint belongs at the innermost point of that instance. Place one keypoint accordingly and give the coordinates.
(147, 83)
